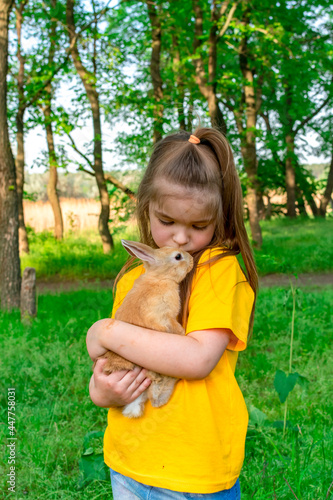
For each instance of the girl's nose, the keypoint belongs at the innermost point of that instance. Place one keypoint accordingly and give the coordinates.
(180, 237)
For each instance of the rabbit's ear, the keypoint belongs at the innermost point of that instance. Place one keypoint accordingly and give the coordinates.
(136, 249)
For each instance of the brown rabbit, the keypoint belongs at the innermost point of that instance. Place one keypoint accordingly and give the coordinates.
(154, 303)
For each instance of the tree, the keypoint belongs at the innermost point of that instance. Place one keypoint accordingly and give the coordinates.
(52, 192)
(251, 96)
(156, 34)
(21, 108)
(33, 73)
(299, 89)
(208, 83)
(327, 196)
(324, 127)
(10, 276)
(89, 80)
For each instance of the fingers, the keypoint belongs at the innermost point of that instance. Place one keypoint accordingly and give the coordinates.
(134, 383)
(98, 368)
(141, 387)
(123, 386)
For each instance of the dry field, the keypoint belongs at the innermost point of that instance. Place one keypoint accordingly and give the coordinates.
(78, 214)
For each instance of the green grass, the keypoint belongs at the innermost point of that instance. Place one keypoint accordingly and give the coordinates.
(294, 247)
(48, 365)
(78, 257)
(303, 459)
(291, 247)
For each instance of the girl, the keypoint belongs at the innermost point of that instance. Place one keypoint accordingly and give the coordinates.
(190, 198)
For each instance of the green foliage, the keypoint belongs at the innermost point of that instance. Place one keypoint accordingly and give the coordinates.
(293, 247)
(48, 365)
(80, 256)
(57, 424)
(284, 384)
(91, 463)
(275, 466)
(283, 40)
(77, 257)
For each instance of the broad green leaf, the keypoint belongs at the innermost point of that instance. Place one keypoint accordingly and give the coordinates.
(284, 384)
(256, 416)
(92, 468)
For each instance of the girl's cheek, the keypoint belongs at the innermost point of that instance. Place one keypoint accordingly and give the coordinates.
(157, 233)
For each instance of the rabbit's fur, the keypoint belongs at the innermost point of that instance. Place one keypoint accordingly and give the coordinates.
(154, 303)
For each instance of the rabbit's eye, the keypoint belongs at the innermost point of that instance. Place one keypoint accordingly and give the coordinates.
(178, 256)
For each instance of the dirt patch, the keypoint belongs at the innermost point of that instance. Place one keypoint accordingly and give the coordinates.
(70, 286)
(308, 279)
(270, 280)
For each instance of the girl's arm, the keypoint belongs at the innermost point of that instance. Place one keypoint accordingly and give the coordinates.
(190, 357)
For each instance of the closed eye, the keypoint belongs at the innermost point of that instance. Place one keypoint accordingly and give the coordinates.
(165, 223)
(169, 223)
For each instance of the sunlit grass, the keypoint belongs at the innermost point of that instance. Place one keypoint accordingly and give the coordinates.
(294, 247)
(78, 257)
(48, 365)
(291, 247)
(301, 459)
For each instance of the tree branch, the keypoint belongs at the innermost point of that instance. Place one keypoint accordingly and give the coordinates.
(74, 146)
(275, 40)
(228, 20)
(316, 111)
(108, 177)
(276, 158)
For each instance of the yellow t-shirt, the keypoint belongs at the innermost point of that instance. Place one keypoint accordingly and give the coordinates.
(195, 443)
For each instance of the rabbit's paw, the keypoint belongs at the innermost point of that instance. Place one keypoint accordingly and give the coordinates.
(135, 409)
(160, 400)
(160, 393)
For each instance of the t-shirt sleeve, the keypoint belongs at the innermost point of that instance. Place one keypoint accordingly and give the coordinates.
(221, 298)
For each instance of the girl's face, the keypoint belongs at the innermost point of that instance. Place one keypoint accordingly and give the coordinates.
(180, 218)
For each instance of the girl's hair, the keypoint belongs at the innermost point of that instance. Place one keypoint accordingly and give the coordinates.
(208, 166)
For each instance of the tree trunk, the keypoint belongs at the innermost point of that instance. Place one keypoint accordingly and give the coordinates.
(306, 194)
(52, 192)
(10, 275)
(268, 211)
(19, 161)
(19, 164)
(51, 189)
(301, 206)
(290, 174)
(206, 86)
(328, 190)
(249, 158)
(88, 80)
(155, 70)
(290, 177)
(248, 148)
(261, 206)
(180, 84)
(28, 295)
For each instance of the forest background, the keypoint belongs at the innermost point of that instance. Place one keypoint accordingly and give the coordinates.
(261, 72)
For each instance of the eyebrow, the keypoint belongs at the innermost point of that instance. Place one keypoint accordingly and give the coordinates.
(165, 216)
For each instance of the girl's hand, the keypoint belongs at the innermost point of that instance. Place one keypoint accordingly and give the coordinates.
(118, 388)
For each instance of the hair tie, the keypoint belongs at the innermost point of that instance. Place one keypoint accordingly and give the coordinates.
(194, 139)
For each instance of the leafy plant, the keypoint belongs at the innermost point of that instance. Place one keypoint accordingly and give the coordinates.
(91, 463)
(285, 383)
